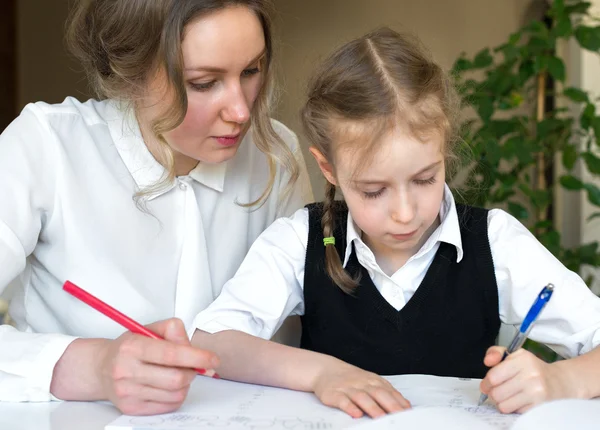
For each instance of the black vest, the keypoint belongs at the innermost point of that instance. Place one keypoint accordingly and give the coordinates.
(444, 329)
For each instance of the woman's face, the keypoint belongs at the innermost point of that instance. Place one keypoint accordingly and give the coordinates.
(223, 55)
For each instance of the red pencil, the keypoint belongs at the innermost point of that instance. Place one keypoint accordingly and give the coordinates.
(115, 315)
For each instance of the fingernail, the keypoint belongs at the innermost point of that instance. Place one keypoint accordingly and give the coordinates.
(216, 376)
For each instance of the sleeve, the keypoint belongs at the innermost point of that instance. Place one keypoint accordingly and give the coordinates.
(27, 192)
(301, 192)
(570, 322)
(268, 286)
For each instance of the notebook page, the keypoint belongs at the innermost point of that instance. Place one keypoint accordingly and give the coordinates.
(462, 394)
(228, 405)
(429, 418)
(231, 405)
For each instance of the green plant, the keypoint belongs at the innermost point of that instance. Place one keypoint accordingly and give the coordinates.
(525, 117)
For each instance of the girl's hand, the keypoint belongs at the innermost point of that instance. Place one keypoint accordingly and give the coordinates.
(356, 391)
(144, 376)
(522, 380)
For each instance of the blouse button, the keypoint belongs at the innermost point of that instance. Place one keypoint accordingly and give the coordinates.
(182, 186)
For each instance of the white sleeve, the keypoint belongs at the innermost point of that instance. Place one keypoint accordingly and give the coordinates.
(27, 166)
(268, 286)
(570, 323)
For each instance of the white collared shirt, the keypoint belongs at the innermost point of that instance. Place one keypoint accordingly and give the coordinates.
(68, 174)
(269, 284)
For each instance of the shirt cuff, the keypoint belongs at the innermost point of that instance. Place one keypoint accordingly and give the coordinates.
(212, 324)
(29, 379)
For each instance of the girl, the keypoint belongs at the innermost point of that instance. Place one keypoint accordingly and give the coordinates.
(149, 198)
(397, 278)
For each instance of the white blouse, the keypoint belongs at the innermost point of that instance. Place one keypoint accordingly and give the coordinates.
(68, 174)
(269, 284)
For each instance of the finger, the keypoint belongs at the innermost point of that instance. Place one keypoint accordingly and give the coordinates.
(129, 390)
(134, 407)
(344, 403)
(386, 399)
(507, 389)
(175, 332)
(517, 403)
(499, 374)
(167, 353)
(404, 402)
(366, 403)
(493, 355)
(163, 378)
(162, 328)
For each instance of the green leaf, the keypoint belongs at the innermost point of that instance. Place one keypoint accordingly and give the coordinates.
(563, 28)
(557, 8)
(556, 68)
(570, 182)
(577, 8)
(537, 27)
(592, 162)
(550, 126)
(588, 251)
(569, 156)
(514, 38)
(576, 94)
(524, 152)
(588, 37)
(596, 127)
(540, 63)
(483, 59)
(526, 71)
(493, 151)
(461, 64)
(587, 116)
(593, 216)
(485, 108)
(518, 211)
(543, 224)
(593, 194)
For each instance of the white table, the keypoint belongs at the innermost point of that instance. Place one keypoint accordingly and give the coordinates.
(56, 416)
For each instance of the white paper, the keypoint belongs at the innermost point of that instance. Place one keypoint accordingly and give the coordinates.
(438, 402)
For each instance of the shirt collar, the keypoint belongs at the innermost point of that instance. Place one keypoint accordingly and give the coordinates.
(144, 168)
(448, 231)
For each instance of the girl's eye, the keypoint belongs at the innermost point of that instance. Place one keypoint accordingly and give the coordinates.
(374, 194)
(202, 86)
(425, 181)
(250, 72)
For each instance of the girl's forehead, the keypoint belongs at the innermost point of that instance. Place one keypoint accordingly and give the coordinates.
(386, 153)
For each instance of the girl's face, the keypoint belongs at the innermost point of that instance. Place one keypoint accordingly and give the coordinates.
(223, 53)
(395, 199)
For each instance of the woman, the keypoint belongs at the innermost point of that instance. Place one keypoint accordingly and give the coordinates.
(149, 199)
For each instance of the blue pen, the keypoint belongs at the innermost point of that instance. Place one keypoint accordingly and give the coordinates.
(540, 302)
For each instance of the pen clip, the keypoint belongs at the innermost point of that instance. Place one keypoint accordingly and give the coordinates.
(536, 308)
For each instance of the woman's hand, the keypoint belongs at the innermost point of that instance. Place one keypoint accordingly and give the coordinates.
(522, 380)
(140, 375)
(356, 391)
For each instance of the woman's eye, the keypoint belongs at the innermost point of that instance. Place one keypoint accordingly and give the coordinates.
(202, 86)
(250, 72)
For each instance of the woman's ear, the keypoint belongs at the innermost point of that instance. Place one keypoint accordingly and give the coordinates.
(324, 165)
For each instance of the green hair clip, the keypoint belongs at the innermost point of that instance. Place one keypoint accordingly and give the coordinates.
(329, 240)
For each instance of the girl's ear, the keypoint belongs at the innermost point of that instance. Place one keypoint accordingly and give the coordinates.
(324, 165)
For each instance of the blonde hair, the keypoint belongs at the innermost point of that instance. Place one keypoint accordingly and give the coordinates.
(377, 82)
(122, 43)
